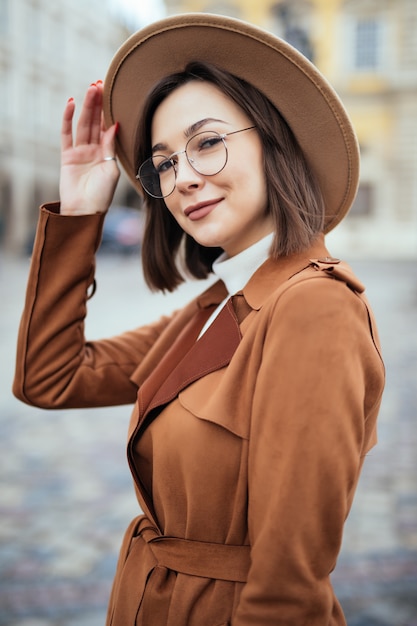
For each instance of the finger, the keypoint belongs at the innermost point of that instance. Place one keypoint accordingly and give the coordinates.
(89, 117)
(108, 140)
(97, 114)
(103, 123)
(66, 127)
(104, 128)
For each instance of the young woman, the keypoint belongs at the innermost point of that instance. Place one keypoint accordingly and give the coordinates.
(255, 404)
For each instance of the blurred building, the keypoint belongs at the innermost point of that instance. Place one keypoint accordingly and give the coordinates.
(49, 51)
(368, 51)
(367, 48)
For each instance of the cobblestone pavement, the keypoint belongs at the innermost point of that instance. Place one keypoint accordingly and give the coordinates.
(66, 494)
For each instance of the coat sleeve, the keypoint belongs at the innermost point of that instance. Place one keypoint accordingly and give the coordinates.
(55, 366)
(315, 404)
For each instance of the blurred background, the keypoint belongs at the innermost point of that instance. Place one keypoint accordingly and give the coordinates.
(65, 489)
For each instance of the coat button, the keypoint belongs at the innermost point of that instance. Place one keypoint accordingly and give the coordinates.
(328, 260)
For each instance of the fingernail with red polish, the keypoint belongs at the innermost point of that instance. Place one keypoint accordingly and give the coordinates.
(70, 100)
(99, 82)
(117, 127)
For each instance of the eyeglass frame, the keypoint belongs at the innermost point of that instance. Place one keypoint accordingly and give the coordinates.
(175, 165)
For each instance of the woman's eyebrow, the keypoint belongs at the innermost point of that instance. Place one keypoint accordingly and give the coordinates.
(189, 132)
(197, 125)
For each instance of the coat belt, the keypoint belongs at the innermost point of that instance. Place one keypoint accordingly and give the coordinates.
(198, 558)
(145, 550)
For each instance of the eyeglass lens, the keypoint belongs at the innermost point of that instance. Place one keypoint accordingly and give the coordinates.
(206, 152)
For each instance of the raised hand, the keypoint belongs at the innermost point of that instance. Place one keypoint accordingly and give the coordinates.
(88, 177)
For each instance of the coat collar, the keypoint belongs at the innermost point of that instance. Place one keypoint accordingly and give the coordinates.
(213, 295)
(268, 277)
(187, 360)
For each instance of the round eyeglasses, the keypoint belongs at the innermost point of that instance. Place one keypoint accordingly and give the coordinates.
(206, 152)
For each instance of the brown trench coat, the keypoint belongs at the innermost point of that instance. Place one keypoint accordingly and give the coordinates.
(245, 446)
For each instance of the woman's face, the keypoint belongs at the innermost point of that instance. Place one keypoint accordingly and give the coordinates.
(229, 209)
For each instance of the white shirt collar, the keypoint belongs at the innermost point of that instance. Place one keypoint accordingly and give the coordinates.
(236, 270)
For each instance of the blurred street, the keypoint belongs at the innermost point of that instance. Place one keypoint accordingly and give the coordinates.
(66, 495)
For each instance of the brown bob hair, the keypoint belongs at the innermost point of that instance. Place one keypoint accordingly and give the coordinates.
(294, 197)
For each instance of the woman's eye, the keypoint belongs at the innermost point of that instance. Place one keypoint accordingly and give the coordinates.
(209, 142)
(164, 166)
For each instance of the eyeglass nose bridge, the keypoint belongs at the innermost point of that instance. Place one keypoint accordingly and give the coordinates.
(175, 163)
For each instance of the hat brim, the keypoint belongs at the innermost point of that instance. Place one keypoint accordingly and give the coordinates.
(303, 96)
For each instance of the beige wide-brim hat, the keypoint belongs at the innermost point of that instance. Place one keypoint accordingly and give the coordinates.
(303, 96)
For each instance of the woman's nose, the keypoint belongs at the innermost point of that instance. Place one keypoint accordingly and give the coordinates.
(185, 175)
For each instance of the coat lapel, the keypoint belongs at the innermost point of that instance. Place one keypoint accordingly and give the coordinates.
(186, 361)
(189, 360)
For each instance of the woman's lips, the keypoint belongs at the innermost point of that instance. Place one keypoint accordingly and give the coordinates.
(198, 211)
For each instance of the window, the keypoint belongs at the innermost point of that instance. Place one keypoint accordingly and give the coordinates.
(5, 83)
(364, 201)
(367, 44)
(4, 17)
(293, 23)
